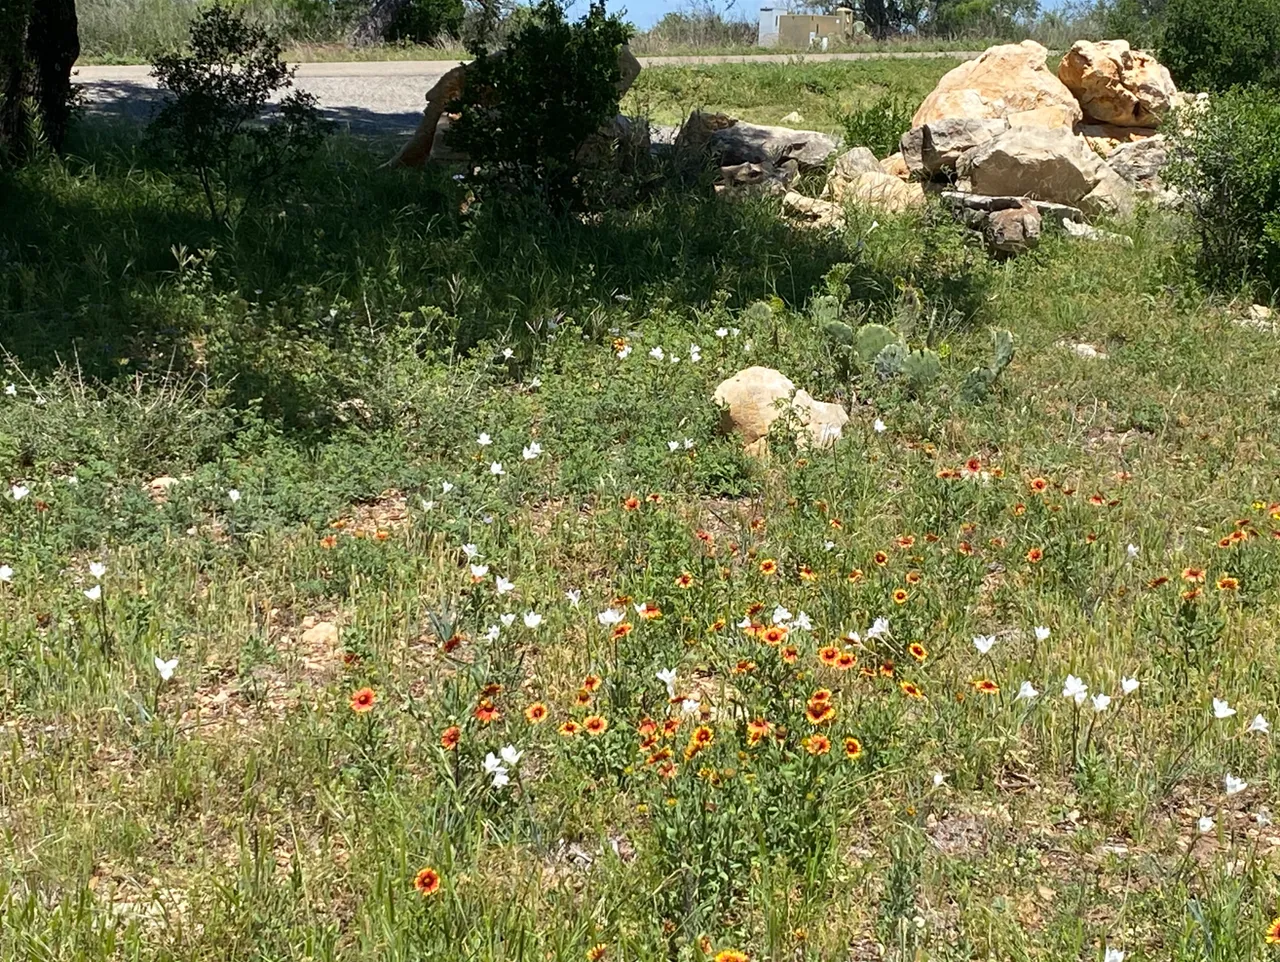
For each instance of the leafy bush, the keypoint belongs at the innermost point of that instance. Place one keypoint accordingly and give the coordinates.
(425, 21)
(213, 124)
(879, 125)
(1227, 166)
(528, 109)
(1212, 45)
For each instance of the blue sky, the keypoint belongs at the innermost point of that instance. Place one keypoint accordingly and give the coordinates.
(645, 13)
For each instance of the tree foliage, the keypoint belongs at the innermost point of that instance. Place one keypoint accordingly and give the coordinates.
(1218, 44)
(39, 43)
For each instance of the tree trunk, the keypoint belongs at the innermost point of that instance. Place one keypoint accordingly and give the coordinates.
(372, 27)
(39, 47)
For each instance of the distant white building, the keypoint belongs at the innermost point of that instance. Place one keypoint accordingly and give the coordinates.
(802, 31)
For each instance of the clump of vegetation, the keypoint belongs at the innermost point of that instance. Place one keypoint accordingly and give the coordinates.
(880, 124)
(528, 108)
(1227, 167)
(213, 124)
(1212, 45)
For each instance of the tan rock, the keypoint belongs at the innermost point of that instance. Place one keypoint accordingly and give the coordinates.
(877, 189)
(158, 488)
(1118, 85)
(1105, 138)
(744, 143)
(811, 211)
(1050, 115)
(896, 165)
(1013, 230)
(823, 422)
(1009, 78)
(936, 146)
(751, 401)
(321, 635)
(853, 162)
(1045, 163)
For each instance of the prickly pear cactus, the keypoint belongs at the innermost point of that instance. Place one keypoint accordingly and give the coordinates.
(825, 309)
(758, 313)
(871, 339)
(838, 332)
(922, 368)
(1002, 341)
(890, 361)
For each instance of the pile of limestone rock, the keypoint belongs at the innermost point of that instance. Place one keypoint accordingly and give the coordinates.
(1010, 144)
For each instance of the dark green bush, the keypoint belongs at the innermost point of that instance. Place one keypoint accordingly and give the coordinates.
(214, 123)
(1218, 44)
(529, 107)
(879, 125)
(1227, 167)
(425, 21)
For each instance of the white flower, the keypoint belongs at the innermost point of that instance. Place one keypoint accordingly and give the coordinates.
(510, 755)
(484, 440)
(233, 495)
(802, 622)
(97, 569)
(1221, 709)
(470, 550)
(532, 619)
(720, 332)
(984, 643)
(879, 628)
(166, 668)
(735, 331)
(879, 426)
(6, 575)
(1129, 685)
(1233, 785)
(496, 468)
(508, 354)
(1101, 701)
(1205, 824)
(1042, 633)
(624, 352)
(492, 763)
(745, 623)
(668, 677)
(674, 360)
(695, 354)
(657, 354)
(938, 779)
(11, 390)
(1263, 817)
(493, 634)
(690, 705)
(501, 779)
(532, 451)
(689, 444)
(780, 615)
(19, 492)
(535, 384)
(479, 571)
(1075, 688)
(1027, 691)
(503, 585)
(573, 596)
(1131, 550)
(610, 617)
(828, 545)
(1259, 724)
(875, 225)
(853, 636)
(673, 445)
(1113, 955)
(446, 487)
(507, 620)
(94, 593)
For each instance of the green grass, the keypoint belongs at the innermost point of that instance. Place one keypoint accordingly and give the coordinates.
(334, 359)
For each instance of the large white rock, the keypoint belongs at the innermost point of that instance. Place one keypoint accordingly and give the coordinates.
(754, 398)
(936, 146)
(744, 143)
(1009, 78)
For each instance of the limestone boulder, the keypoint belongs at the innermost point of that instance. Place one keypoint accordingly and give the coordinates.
(1105, 138)
(1050, 115)
(1013, 230)
(743, 143)
(1047, 163)
(935, 147)
(754, 398)
(1116, 84)
(875, 188)
(1008, 78)
(896, 165)
(812, 211)
(1140, 163)
(854, 162)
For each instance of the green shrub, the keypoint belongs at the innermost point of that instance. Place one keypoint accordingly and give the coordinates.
(213, 124)
(1227, 166)
(425, 21)
(1212, 45)
(528, 108)
(879, 125)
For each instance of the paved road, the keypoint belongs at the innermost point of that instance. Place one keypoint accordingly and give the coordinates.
(384, 96)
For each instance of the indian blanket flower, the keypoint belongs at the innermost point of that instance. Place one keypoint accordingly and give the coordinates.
(450, 737)
(536, 713)
(917, 651)
(569, 729)
(986, 686)
(427, 882)
(1273, 932)
(768, 567)
(731, 955)
(595, 724)
(912, 690)
(852, 748)
(485, 712)
(363, 700)
(817, 744)
(899, 596)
